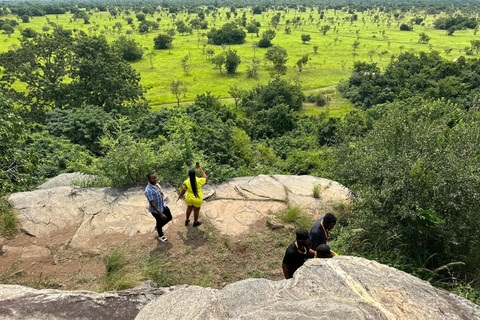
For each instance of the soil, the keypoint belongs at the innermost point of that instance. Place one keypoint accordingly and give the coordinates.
(194, 255)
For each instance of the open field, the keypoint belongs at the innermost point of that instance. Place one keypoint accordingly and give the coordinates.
(332, 63)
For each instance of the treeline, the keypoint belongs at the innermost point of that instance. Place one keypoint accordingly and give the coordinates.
(39, 8)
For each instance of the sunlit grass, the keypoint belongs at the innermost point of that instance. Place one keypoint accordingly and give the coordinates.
(332, 63)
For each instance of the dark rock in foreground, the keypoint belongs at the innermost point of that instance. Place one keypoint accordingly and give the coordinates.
(22, 303)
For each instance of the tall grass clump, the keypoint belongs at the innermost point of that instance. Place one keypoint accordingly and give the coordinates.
(8, 219)
(153, 268)
(298, 217)
(316, 191)
(119, 275)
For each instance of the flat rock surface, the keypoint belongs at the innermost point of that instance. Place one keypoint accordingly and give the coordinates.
(84, 215)
(65, 180)
(22, 303)
(339, 288)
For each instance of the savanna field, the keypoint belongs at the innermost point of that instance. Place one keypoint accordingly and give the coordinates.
(377, 32)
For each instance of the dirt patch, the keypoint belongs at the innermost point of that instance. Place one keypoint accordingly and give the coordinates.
(200, 256)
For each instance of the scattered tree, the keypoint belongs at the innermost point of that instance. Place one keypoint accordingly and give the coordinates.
(232, 60)
(178, 88)
(278, 56)
(305, 38)
(163, 41)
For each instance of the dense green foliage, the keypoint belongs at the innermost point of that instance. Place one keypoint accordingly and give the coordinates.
(73, 71)
(416, 183)
(230, 33)
(458, 22)
(425, 74)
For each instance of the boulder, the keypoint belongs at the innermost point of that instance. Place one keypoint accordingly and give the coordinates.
(65, 180)
(22, 303)
(339, 288)
(93, 218)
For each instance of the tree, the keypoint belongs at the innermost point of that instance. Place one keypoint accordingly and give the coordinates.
(219, 61)
(151, 55)
(252, 28)
(29, 33)
(405, 27)
(129, 49)
(278, 56)
(232, 60)
(324, 29)
(25, 18)
(182, 27)
(230, 33)
(267, 37)
(178, 88)
(185, 65)
(305, 38)
(405, 175)
(140, 17)
(302, 62)
(237, 94)
(424, 38)
(162, 41)
(450, 31)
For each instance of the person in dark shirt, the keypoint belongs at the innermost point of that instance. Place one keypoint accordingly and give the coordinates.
(323, 251)
(296, 254)
(319, 231)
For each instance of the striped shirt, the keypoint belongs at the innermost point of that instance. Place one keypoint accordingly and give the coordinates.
(152, 193)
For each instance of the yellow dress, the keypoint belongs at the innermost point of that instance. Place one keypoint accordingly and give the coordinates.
(190, 197)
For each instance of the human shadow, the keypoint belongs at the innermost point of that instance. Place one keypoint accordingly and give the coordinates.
(194, 237)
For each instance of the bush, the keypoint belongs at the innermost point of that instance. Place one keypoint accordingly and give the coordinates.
(316, 191)
(129, 49)
(405, 27)
(29, 33)
(320, 100)
(298, 217)
(8, 219)
(163, 41)
(411, 205)
(310, 98)
(232, 60)
(228, 34)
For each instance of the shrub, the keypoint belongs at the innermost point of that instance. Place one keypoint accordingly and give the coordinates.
(228, 34)
(320, 100)
(405, 27)
(310, 98)
(316, 191)
(129, 49)
(163, 41)
(8, 219)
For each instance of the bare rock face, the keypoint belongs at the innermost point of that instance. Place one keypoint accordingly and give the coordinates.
(22, 303)
(84, 215)
(65, 180)
(339, 288)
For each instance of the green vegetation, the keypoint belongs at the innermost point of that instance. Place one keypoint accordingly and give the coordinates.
(404, 137)
(8, 219)
(300, 218)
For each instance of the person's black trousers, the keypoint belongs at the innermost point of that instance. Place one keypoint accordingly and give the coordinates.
(160, 222)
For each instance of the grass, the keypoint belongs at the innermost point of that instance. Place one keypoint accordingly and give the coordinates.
(8, 219)
(316, 191)
(298, 217)
(332, 63)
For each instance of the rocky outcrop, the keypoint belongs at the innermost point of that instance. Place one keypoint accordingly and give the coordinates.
(339, 288)
(85, 214)
(66, 180)
(22, 303)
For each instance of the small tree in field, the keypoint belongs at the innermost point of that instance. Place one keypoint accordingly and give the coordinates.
(185, 65)
(162, 41)
(305, 38)
(178, 88)
(302, 62)
(219, 61)
(324, 29)
(424, 38)
(278, 56)
(232, 60)
(236, 94)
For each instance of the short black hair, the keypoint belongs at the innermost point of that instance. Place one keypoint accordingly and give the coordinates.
(330, 217)
(151, 173)
(323, 250)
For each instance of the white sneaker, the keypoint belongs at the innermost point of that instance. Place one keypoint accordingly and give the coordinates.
(163, 239)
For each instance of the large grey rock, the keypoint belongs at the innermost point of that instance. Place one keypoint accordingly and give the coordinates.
(96, 217)
(22, 303)
(339, 288)
(65, 180)
(234, 217)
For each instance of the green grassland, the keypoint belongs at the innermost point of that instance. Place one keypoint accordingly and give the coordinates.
(330, 65)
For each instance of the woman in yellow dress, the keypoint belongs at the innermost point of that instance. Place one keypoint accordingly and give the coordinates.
(194, 198)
